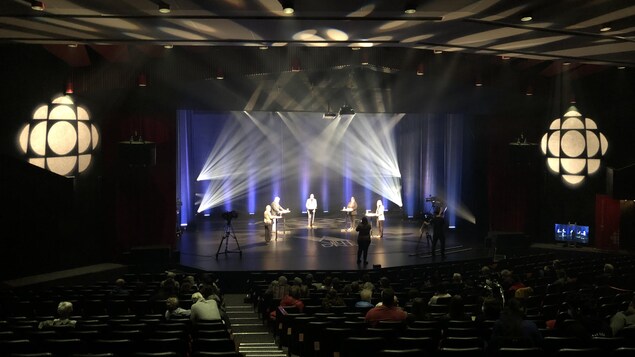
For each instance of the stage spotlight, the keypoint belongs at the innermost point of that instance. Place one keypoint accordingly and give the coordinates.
(37, 5)
(287, 6)
(346, 112)
(329, 114)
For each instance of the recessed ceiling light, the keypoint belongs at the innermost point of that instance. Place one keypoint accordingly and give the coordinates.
(287, 6)
(605, 28)
(505, 57)
(72, 45)
(37, 5)
(566, 63)
(164, 8)
(526, 18)
(168, 46)
(438, 52)
(621, 67)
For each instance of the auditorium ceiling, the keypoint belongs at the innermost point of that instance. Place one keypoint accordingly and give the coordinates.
(583, 32)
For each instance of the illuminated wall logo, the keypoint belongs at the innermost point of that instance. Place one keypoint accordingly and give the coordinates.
(574, 147)
(60, 137)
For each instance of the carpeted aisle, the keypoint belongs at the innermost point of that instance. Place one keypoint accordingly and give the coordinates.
(250, 335)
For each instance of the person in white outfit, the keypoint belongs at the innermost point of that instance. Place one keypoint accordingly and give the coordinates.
(380, 218)
(311, 207)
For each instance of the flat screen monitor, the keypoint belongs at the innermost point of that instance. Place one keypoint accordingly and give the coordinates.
(582, 234)
(563, 232)
(571, 233)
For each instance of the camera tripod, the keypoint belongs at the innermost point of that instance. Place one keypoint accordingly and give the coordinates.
(229, 232)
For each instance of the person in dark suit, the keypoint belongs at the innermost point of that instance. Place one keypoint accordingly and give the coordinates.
(363, 240)
(268, 221)
(438, 231)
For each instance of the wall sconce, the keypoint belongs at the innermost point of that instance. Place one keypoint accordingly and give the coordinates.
(142, 81)
(420, 69)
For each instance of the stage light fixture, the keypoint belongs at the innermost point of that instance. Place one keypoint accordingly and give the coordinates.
(164, 8)
(346, 112)
(329, 115)
(287, 6)
(37, 5)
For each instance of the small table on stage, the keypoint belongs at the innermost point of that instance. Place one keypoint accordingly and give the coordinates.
(370, 215)
(347, 212)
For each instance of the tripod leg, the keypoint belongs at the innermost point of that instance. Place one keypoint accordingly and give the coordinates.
(219, 246)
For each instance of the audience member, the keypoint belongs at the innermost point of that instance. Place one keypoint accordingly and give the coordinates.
(456, 310)
(365, 297)
(331, 299)
(441, 292)
(623, 319)
(387, 311)
(173, 308)
(119, 291)
(204, 309)
(64, 311)
(419, 309)
(512, 330)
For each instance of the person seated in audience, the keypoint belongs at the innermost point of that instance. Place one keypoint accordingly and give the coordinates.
(513, 330)
(579, 321)
(280, 289)
(387, 311)
(456, 310)
(607, 277)
(490, 312)
(623, 319)
(170, 278)
(419, 310)
(64, 311)
(291, 300)
(331, 299)
(119, 291)
(365, 297)
(456, 285)
(441, 292)
(173, 309)
(523, 294)
(205, 309)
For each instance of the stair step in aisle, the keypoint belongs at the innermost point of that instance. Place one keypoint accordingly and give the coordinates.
(251, 336)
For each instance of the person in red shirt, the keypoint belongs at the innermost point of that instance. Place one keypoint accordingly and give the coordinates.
(387, 311)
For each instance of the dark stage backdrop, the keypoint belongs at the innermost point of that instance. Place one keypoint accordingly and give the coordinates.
(237, 172)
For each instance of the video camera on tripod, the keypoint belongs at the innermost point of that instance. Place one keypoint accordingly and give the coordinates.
(229, 215)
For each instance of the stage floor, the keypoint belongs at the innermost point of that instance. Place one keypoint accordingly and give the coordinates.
(328, 246)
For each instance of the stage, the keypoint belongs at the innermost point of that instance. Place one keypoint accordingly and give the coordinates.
(328, 246)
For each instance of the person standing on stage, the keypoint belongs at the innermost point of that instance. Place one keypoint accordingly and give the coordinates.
(311, 206)
(276, 207)
(277, 210)
(438, 231)
(268, 223)
(352, 206)
(363, 240)
(380, 218)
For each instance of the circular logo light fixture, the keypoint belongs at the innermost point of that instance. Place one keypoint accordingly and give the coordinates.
(574, 147)
(60, 137)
